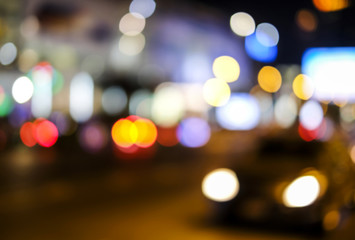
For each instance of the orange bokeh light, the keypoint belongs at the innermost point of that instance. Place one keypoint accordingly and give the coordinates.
(330, 5)
(134, 130)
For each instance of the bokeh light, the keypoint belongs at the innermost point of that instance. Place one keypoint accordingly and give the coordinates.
(8, 53)
(216, 92)
(26, 134)
(193, 132)
(242, 24)
(22, 89)
(27, 60)
(167, 136)
(168, 105)
(30, 27)
(114, 100)
(144, 7)
(303, 87)
(306, 20)
(41, 131)
(302, 192)
(240, 113)
(41, 103)
(311, 115)
(93, 137)
(285, 111)
(267, 34)
(220, 185)
(131, 45)
(269, 79)
(81, 97)
(46, 133)
(333, 71)
(134, 130)
(330, 5)
(132, 24)
(258, 51)
(226, 68)
(331, 220)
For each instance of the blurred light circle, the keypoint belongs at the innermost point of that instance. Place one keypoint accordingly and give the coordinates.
(123, 133)
(26, 134)
(220, 185)
(140, 103)
(216, 92)
(114, 100)
(303, 87)
(311, 115)
(167, 136)
(93, 137)
(22, 89)
(28, 59)
(144, 7)
(46, 133)
(131, 45)
(301, 192)
(258, 51)
(240, 113)
(81, 97)
(285, 111)
(269, 79)
(330, 6)
(134, 130)
(306, 20)
(267, 34)
(147, 132)
(132, 24)
(193, 132)
(226, 68)
(168, 105)
(242, 24)
(30, 27)
(8, 53)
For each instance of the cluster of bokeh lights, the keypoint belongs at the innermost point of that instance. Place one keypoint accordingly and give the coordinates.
(41, 131)
(134, 130)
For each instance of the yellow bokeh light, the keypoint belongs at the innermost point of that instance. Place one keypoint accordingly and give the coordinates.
(330, 5)
(303, 87)
(269, 79)
(216, 92)
(134, 130)
(226, 68)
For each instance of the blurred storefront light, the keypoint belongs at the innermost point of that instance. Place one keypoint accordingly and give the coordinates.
(333, 72)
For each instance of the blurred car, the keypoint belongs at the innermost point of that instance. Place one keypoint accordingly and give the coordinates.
(286, 183)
